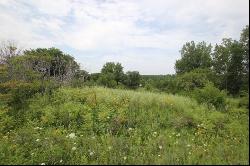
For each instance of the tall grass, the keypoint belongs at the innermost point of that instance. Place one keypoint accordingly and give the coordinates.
(107, 126)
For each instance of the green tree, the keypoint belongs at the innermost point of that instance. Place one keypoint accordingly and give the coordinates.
(228, 64)
(112, 72)
(194, 56)
(52, 63)
(244, 40)
(197, 78)
(107, 80)
(133, 79)
(235, 78)
(221, 60)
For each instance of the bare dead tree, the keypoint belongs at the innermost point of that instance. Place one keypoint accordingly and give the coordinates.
(8, 49)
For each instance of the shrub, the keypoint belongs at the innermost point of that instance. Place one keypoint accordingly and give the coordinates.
(22, 91)
(244, 100)
(6, 121)
(194, 79)
(107, 80)
(132, 79)
(211, 96)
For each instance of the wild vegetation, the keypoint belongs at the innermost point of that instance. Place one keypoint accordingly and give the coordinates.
(52, 112)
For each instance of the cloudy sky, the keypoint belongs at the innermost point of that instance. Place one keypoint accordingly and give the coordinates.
(144, 35)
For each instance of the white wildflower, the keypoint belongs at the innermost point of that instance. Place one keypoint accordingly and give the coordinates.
(37, 140)
(38, 128)
(109, 148)
(91, 153)
(74, 148)
(61, 161)
(159, 155)
(160, 147)
(155, 134)
(42, 163)
(188, 145)
(72, 135)
(125, 158)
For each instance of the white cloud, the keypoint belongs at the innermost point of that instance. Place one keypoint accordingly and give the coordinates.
(50, 7)
(113, 29)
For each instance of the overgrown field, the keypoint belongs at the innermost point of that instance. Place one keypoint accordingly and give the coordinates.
(107, 126)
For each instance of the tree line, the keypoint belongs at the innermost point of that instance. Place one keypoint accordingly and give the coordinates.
(224, 66)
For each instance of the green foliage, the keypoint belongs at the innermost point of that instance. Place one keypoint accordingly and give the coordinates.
(161, 83)
(22, 91)
(3, 73)
(132, 79)
(41, 123)
(149, 85)
(112, 73)
(107, 80)
(194, 56)
(244, 40)
(244, 100)
(80, 78)
(7, 122)
(212, 96)
(53, 63)
(197, 78)
(228, 62)
(16, 93)
(105, 126)
(19, 68)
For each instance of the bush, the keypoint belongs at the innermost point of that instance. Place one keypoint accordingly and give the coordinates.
(132, 79)
(211, 96)
(194, 79)
(107, 80)
(244, 102)
(6, 121)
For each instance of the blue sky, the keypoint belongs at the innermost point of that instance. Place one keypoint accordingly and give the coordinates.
(143, 35)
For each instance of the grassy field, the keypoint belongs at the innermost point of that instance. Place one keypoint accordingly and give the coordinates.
(107, 126)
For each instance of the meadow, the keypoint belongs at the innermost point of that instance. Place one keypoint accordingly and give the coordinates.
(94, 125)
